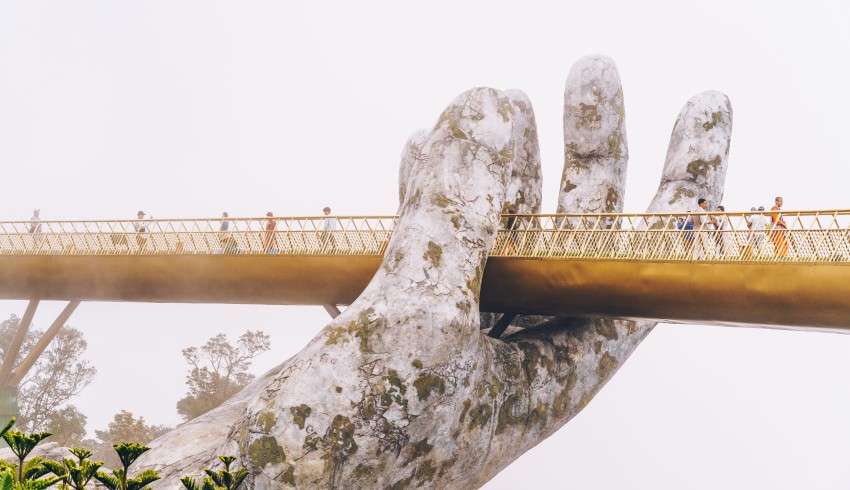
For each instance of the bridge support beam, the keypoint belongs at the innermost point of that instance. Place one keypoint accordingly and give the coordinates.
(332, 310)
(8, 391)
(39, 348)
(11, 355)
(12, 375)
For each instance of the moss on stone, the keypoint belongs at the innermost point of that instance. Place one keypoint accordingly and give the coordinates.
(395, 380)
(338, 389)
(474, 283)
(612, 200)
(455, 130)
(339, 439)
(504, 157)
(433, 254)
(700, 168)
(615, 145)
(506, 416)
(266, 420)
(426, 471)
(561, 403)
(496, 387)
(606, 328)
(263, 451)
(359, 328)
(427, 383)
(445, 466)
(417, 364)
(597, 347)
(585, 399)
(507, 359)
(533, 358)
(441, 201)
(363, 471)
(588, 116)
(464, 306)
(300, 414)
(716, 117)
(681, 192)
(417, 450)
(607, 365)
(466, 404)
(480, 416)
(505, 109)
(401, 484)
(288, 476)
(538, 415)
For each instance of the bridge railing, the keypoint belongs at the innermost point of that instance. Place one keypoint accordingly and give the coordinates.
(799, 236)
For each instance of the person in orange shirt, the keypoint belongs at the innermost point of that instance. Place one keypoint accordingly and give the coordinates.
(779, 230)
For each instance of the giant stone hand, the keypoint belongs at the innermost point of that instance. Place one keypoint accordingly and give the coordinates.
(403, 389)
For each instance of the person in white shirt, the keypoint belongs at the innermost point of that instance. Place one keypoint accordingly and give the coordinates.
(328, 227)
(140, 228)
(225, 222)
(758, 223)
(35, 221)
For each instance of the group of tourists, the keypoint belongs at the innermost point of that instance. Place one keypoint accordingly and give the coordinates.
(230, 246)
(761, 224)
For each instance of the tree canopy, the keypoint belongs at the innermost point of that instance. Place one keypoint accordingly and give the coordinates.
(218, 370)
(58, 375)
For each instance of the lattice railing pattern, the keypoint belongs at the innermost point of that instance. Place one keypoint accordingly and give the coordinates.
(800, 236)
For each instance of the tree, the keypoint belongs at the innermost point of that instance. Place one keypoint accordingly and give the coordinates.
(68, 426)
(218, 370)
(124, 428)
(59, 374)
(77, 473)
(120, 479)
(27, 475)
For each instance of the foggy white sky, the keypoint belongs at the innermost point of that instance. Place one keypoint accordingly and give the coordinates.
(189, 108)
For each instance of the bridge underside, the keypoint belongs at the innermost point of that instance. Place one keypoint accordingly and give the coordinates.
(811, 295)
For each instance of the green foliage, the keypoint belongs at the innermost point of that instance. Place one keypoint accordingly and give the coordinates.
(33, 471)
(77, 473)
(190, 483)
(22, 445)
(128, 453)
(26, 475)
(37, 467)
(218, 480)
(8, 427)
(225, 478)
(7, 479)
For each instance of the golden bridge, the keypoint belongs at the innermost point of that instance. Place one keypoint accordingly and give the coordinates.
(788, 270)
(741, 270)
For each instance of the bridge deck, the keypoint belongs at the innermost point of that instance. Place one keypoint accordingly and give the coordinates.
(637, 266)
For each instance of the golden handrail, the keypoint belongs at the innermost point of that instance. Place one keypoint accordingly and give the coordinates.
(807, 236)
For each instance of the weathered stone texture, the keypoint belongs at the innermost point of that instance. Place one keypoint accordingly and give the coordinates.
(697, 155)
(402, 390)
(595, 146)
